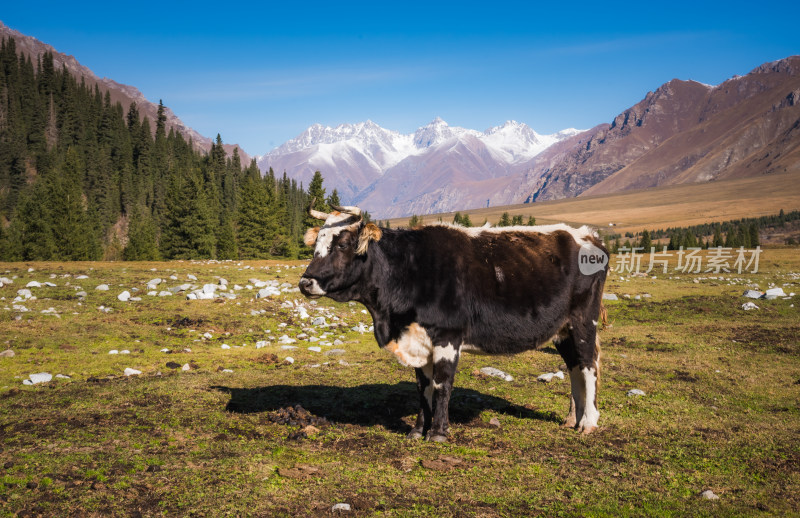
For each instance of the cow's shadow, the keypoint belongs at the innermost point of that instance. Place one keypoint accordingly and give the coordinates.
(370, 404)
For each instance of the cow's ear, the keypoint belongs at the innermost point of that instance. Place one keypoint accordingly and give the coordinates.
(311, 236)
(370, 232)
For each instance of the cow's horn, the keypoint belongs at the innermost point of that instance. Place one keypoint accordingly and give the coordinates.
(353, 211)
(315, 213)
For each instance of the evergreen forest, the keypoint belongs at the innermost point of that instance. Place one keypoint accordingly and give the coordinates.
(84, 179)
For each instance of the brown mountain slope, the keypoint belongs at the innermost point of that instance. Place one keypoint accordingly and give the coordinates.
(747, 126)
(123, 94)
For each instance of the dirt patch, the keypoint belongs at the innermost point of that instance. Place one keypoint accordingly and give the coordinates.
(301, 472)
(443, 463)
(784, 340)
(270, 359)
(184, 322)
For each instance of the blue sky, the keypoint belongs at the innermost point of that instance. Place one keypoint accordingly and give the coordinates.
(259, 74)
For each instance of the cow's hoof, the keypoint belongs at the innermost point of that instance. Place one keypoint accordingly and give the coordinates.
(569, 423)
(437, 438)
(586, 430)
(414, 434)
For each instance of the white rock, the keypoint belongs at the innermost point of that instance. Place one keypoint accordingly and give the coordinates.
(81, 277)
(24, 293)
(318, 321)
(209, 288)
(223, 282)
(267, 292)
(261, 343)
(289, 359)
(186, 367)
(125, 296)
(208, 335)
(124, 351)
(50, 284)
(152, 293)
(559, 375)
(288, 347)
(102, 287)
(63, 377)
(165, 350)
(165, 293)
(635, 392)
(747, 306)
(191, 277)
(113, 351)
(610, 296)
(132, 372)
(33, 284)
(227, 370)
(225, 346)
(709, 495)
(338, 342)
(497, 373)
(546, 377)
(8, 353)
(341, 507)
(315, 349)
(752, 294)
(191, 296)
(774, 293)
(39, 377)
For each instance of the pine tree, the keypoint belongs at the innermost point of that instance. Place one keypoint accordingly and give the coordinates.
(646, 243)
(505, 220)
(465, 221)
(531, 221)
(142, 244)
(333, 199)
(414, 221)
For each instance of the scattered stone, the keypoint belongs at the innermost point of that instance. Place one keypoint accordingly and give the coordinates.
(635, 392)
(747, 306)
(81, 277)
(289, 360)
(315, 349)
(340, 508)
(125, 296)
(261, 343)
(333, 352)
(102, 287)
(164, 293)
(267, 292)
(752, 294)
(39, 377)
(546, 377)
(113, 351)
(63, 377)
(186, 367)
(774, 293)
(318, 321)
(496, 373)
(191, 277)
(124, 351)
(226, 370)
(288, 347)
(24, 293)
(225, 346)
(709, 495)
(8, 353)
(33, 284)
(495, 422)
(610, 296)
(131, 372)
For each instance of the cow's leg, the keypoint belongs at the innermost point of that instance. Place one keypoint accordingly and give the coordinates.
(585, 373)
(565, 344)
(445, 361)
(579, 345)
(425, 389)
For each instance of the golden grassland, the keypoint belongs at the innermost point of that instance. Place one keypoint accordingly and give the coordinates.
(652, 209)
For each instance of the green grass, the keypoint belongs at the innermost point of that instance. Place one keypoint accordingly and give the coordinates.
(720, 411)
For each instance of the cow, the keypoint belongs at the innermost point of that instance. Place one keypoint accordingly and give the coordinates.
(439, 290)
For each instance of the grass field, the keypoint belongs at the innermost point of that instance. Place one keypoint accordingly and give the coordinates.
(652, 209)
(720, 409)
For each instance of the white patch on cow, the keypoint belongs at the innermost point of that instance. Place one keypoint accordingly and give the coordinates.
(580, 235)
(335, 223)
(594, 322)
(578, 393)
(588, 422)
(413, 348)
(498, 272)
(448, 353)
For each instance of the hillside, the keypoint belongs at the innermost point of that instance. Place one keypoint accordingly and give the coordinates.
(120, 93)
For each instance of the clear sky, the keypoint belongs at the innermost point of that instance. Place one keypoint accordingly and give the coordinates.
(260, 73)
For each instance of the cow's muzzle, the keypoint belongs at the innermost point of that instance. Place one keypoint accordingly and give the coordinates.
(310, 287)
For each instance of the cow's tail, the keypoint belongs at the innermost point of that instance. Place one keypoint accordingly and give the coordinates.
(603, 315)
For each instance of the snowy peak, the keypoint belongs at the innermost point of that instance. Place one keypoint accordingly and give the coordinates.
(436, 132)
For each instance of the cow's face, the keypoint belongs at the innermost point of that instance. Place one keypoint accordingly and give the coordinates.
(340, 250)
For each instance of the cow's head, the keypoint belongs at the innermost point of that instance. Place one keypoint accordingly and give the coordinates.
(340, 251)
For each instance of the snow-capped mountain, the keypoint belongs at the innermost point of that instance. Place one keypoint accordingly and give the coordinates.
(355, 158)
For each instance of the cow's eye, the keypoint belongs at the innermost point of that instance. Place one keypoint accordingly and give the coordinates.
(342, 245)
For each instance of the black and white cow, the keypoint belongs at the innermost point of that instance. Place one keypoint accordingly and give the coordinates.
(438, 290)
